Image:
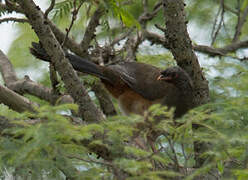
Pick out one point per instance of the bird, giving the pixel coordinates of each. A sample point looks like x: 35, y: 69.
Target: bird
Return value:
x: 135, y: 85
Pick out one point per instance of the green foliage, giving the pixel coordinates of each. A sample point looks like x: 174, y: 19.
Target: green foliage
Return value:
x: 40, y: 146
x: 242, y: 174
x: 199, y: 10
x: 63, y: 8
x: 19, y: 50
x: 52, y: 141
x: 50, y: 145
x: 2, y: 11
x: 160, y: 60
x: 117, y: 7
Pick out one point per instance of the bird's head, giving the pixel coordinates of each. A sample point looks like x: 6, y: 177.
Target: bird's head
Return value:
x: 176, y: 76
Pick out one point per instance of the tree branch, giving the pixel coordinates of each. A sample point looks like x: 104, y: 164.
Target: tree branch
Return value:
x: 91, y: 29
x: 26, y: 85
x: 10, y: 6
x: 223, y: 51
x: 131, y: 46
x: 70, y: 44
x: 181, y: 47
x: 49, y: 9
x: 156, y: 39
x: 133, y: 42
x: 73, y: 19
x: 104, y: 98
x: 12, y: 19
x: 7, y: 70
x: 215, y: 31
x: 30, y: 87
x: 182, y: 50
x: 146, y: 15
x: 240, y: 24
x: 87, y: 108
x: 16, y: 101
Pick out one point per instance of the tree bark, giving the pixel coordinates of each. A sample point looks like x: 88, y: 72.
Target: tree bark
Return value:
x: 7, y: 70
x: 181, y: 47
x: 16, y: 101
x: 87, y: 109
x: 104, y: 98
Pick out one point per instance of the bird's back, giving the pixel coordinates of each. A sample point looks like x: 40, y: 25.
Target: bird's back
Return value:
x: 142, y: 78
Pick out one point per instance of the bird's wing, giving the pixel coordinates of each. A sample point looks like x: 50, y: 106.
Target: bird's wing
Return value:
x: 142, y: 78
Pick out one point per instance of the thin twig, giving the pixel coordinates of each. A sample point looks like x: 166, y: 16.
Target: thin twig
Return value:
x: 12, y: 19
x: 175, y: 159
x: 186, y: 158
x: 49, y: 9
x: 215, y: 33
x: 133, y: 42
x: 230, y: 9
x: 74, y: 17
x: 235, y: 37
x: 240, y: 23
x: 146, y: 15
x: 215, y: 21
x: 121, y: 37
x: 145, y: 5
x: 232, y: 158
x: 160, y: 27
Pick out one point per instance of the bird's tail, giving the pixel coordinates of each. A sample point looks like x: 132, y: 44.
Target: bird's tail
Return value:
x: 78, y: 63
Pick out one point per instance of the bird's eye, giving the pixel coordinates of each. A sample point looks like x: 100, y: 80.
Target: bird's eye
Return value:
x: 168, y: 76
x: 174, y: 75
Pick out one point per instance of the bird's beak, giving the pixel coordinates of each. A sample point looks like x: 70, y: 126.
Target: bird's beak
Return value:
x: 166, y: 78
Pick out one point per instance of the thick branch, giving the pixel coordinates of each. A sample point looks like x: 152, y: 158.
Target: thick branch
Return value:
x: 91, y: 29
x: 30, y: 87
x: 181, y: 47
x: 7, y: 70
x: 157, y: 39
x: 16, y: 101
x: 87, y: 108
x: 26, y: 85
x: 104, y: 98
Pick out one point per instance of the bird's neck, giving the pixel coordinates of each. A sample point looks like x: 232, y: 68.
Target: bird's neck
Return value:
x: 186, y: 98
x: 185, y: 87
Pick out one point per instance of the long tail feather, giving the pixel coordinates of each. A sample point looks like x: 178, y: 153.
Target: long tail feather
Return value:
x: 78, y: 63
